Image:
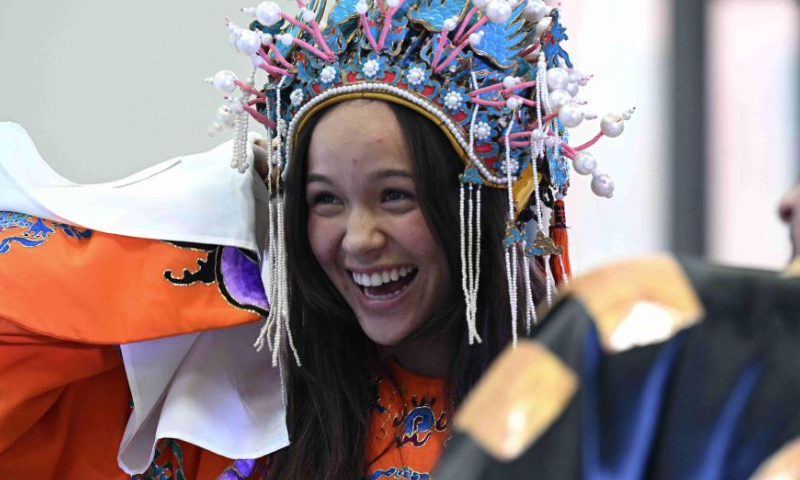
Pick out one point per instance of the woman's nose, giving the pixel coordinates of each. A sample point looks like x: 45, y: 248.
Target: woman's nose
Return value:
x: 363, y: 234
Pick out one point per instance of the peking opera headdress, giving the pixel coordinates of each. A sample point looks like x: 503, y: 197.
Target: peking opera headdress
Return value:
x: 492, y: 74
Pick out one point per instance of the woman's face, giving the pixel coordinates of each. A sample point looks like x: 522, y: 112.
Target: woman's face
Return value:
x: 365, y: 224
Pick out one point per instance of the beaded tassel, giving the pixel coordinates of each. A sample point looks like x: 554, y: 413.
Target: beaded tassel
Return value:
x: 272, y: 247
x: 470, y: 269
x: 239, y: 157
x: 476, y: 252
x: 511, y: 261
x: 538, y: 149
x: 548, y: 282
x: 470, y: 231
x: 277, y: 324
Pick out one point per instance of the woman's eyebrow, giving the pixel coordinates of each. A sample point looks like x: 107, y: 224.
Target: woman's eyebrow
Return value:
x: 380, y: 175
x: 315, y: 177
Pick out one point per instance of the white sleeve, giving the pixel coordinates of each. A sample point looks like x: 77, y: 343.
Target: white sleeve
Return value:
x: 193, y: 198
x: 211, y: 389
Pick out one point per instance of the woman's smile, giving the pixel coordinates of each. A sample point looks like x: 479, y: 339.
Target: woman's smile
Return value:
x: 384, y: 284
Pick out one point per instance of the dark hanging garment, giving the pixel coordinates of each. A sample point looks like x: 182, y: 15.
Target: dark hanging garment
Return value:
x: 651, y: 369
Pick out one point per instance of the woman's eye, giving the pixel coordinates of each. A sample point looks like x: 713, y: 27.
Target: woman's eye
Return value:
x: 324, y: 198
x: 394, y: 195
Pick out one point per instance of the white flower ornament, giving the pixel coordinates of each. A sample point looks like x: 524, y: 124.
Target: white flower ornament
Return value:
x: 452, y: 100
x: 482, y: 131
x: 415, y: 76
x: 328, y: 74
x: 296, y: 97
x: 371, y: 67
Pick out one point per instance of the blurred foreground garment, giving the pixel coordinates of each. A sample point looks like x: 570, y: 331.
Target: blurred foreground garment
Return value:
x: 650, y: 369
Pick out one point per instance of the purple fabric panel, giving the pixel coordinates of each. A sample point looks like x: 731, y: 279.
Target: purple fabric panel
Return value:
x: 242, y: 278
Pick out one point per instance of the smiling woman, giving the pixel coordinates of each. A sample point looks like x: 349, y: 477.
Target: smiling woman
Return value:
x: 373, y: 193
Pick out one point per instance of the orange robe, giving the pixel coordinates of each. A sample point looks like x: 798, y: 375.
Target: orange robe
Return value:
x: 409, y: 424
x: 68, y: 296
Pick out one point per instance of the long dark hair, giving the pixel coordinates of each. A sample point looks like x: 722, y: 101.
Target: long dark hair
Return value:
x: 329, y: 397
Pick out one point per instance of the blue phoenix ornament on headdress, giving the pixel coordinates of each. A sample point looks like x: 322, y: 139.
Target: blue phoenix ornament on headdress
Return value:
x: 491, y: 73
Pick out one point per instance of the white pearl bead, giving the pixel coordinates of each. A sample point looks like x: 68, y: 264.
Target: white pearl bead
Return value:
x: 557, y: 78
x: 233, y: 39
x: 225, y: 116
x: 584, y: 163
x: 498, y: 11
x: 603, y: 185
x: 509, y: 81
x: 268, y: 13
x: 236, y: 106
x: 573, y: 88
x: 543, y: 25
x: 308, y: 15
x: 475, y: 39
x: 256, y: 60
x: 362, y: 7
x: 612, y: 125
x: 249, y: 43
x: 537, y: 134
x: 626, y: 115
x: 450, y: 24
x: 535, y: 10
x: 223, y: 81
x: 392, y: 3
x: 286, y: 39
x: 513, y: 103
x: 480, y: 3
x: 266, y: 39
x: 571, y: 115
x: 558, y: 99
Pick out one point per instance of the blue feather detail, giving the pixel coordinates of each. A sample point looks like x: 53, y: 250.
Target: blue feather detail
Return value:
x: 513, y: 236
x: 432, y: 13
x: 553, y: 50
x: 503, y: 42
x: 471, y: 175
x: 343, y: 11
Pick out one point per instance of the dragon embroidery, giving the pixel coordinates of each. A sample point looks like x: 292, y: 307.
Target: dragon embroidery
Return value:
x: 34, y: 231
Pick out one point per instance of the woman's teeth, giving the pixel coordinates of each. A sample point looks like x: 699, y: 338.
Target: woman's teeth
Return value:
x: 377, y: 279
